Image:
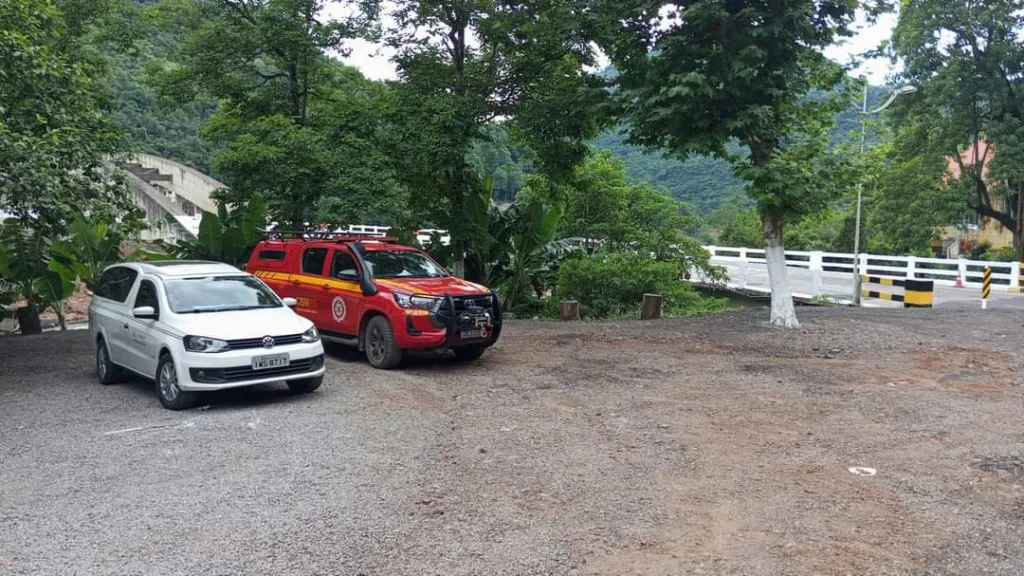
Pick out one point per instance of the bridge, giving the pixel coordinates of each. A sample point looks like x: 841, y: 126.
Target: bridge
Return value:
x: 173, y: 196
x: 828, y: 277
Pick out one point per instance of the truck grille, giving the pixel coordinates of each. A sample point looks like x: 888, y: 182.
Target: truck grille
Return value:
x: 465, y: 303
x: 242, y: 373
x: 258, y: 342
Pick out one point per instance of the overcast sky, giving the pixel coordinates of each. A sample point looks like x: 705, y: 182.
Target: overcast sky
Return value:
x: 375, y: 61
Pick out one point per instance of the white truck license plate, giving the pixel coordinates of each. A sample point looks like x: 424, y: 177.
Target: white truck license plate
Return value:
x: 471, y: 334
x: 274, y: 361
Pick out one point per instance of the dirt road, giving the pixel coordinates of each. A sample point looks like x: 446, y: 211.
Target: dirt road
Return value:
x: 698, y: 446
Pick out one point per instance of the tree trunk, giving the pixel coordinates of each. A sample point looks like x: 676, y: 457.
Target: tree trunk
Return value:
x: 28, y: 319
x: 783, y: 312
x: 58, y: 309
x: 1018, y: 230
x: 458, y: 259
x: 570, y: 310
x: 651, y: 308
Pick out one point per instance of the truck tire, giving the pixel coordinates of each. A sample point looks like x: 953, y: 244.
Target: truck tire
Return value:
x: 172, y: 397
x: 306, y: 385
x: 381, y: 348
x: 469, y: 353
x: 107, y: 372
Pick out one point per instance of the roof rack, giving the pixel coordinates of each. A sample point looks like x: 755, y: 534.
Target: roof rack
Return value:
x: 322, y: 236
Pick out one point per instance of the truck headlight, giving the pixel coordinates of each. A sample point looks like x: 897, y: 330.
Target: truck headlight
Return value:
x: 424, y: 302
x: 310, y: 335
x: 204, y: 344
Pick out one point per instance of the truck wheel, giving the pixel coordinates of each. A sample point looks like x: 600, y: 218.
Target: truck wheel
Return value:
x: 172, y: 397
x: 381, y: 349
x: 305, y: 385
x: 108, y: 372
x: 469, y: 353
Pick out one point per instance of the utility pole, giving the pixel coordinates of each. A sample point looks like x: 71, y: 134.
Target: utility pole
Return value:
x: 860, y: 195
x: 906, y: 89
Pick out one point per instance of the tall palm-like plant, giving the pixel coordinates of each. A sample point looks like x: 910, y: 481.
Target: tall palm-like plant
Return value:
x: 522, y: 252
x: 25, y: 270
x: 89, y: 248
x: 533, y: 227
x: 227, y: 236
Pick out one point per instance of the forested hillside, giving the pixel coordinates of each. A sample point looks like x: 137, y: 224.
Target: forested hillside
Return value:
x: 165, y: 129
x: 706, y: 182
x: 173, y: 131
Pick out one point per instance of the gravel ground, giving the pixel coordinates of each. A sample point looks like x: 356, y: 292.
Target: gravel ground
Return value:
x: 698, y: 446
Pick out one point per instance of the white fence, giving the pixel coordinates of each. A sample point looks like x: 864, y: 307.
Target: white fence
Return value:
x: 944, y: 272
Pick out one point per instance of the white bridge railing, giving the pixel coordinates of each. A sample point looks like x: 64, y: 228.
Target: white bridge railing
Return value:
x: 944, y: 272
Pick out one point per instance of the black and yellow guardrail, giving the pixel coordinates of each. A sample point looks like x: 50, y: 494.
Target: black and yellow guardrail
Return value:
x: 916, y: 293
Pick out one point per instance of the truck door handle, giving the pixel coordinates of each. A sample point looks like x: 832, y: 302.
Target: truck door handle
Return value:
x: 325, y: 287
x: 125, y: 326
x: 295, y: 282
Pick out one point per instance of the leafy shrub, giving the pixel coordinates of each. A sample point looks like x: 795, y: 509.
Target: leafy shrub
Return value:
x: 978, y: 250
x: 613, y: 284
x: 1004, y: 254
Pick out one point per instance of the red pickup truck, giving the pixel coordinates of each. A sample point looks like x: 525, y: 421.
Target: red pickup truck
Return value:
x: 379, y: 296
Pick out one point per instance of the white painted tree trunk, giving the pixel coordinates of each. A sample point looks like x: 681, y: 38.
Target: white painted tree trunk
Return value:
x: 783, y: 311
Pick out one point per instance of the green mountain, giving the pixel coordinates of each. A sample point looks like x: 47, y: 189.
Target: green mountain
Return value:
x: 706, y: 182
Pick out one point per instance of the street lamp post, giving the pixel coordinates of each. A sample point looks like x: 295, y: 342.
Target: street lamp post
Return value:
x: 906, y: 89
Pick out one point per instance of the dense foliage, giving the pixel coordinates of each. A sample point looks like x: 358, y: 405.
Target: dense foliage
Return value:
x: 721, y: 122
x: 966, y: 59
x: 465, y: 65
x: 613, y: 284
x: 55, y: 133
x: 696, y: 79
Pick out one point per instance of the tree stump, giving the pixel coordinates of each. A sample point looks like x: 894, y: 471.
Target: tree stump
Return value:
x: 28, y: 319
x: 652, y: 307
x: 570, y: 310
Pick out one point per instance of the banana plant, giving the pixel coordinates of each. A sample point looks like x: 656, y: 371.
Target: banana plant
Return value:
x: 225, y: 236
x: 522, y: 253
x: 26, y: 275
x: 89, y: 248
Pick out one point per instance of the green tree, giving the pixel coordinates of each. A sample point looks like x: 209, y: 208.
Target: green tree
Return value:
x: 966, y: 58
x: 54, y: 131
x: 609, y: 212
x: 696, y: 75
x: 266, y: 64
x: 465, y: 64
x: 228, y: 236
x: 156, y: 125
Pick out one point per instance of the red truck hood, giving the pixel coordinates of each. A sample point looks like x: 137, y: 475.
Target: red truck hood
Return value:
x: 434, y: 286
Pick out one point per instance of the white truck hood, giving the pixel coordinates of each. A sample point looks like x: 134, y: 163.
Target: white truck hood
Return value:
x: 241, y: 324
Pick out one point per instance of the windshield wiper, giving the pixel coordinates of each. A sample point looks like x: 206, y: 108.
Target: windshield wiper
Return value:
x: 203, y: 309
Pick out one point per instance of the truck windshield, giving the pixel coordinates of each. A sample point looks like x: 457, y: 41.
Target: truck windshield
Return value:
x: 218, y: 294
x: 402, y: 264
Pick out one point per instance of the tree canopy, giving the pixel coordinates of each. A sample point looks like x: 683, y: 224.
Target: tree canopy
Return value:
x: 55, y: 130
x: 966, y: 60
x: 696, y: 76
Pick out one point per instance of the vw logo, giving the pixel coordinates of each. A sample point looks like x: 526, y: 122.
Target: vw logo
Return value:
x: 268, y: 341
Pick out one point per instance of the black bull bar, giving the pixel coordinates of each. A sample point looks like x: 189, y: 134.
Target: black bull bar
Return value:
x: 454, y: 323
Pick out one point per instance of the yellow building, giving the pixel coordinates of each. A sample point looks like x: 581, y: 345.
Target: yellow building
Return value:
x: 956, y: 239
